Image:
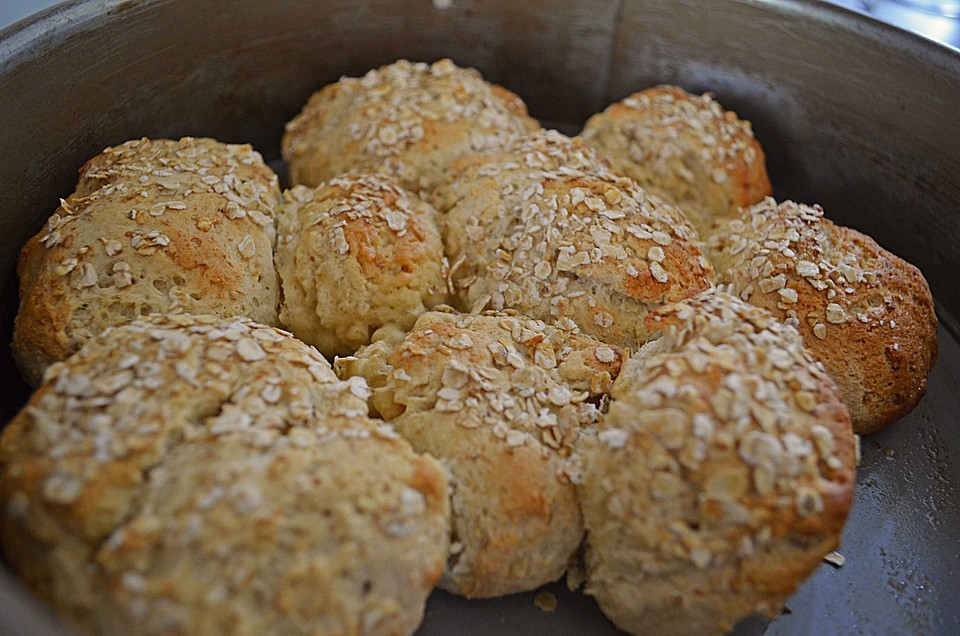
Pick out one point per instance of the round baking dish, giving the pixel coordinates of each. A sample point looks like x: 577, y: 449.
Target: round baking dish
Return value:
x: 853, y: 114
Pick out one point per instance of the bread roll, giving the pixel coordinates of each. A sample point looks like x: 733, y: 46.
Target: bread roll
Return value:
x: 501, y: 401
x: 196, y: 475
x: 356, y: 254
x: 545, y: 228
x: 722, y: 474
x: 684, y: 148
x: 154, y: 226
x: 865, y: 313
x: 409, y: 120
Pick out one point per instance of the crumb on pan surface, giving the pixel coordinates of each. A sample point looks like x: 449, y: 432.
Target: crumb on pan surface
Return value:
x: 545, y: 602
x: 500, y: 400
x: 191, y: 474
x: 356, y: 254
x: 410, y: 120
x: 153, y: 226
x: 721, y: 475
x: 865, y: 313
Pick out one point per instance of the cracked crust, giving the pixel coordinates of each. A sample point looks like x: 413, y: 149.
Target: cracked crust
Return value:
x: 721, y: 476
x: 189, y: 474
x: 865, y: 313
x: 154, y: 226
x: 500, y: 400
x: 355, y: 255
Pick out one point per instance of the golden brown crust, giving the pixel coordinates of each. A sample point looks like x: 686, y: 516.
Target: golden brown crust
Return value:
x: 409, y: 120
x: 865, y: 313
x: 154, y: 226
x: 189, y: 474
x: 721, y: 476
x: 501, y: 401
x: 545, y: 228
x: 355, y: 255
x: 684, y: 148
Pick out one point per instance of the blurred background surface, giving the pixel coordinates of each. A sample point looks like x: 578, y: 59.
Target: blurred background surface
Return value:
x: 935, y: 19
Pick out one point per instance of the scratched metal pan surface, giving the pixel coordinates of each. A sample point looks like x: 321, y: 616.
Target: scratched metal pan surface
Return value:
x: 853, y: 114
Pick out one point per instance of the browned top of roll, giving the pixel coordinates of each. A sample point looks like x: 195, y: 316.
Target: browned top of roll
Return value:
x: 546, y: 228
x: 684, y: 148
x: 501, y: 400
x: 154, y: 226
x: 410, y: 120
x: 193, y: 475
x: 865, y: 313
x: 356, y: 254
x: 721, y: 476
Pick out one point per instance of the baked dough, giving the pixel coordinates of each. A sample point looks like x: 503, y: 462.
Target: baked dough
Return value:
x: 721, y: 476
x: 685, y: 149
x: 544, y: 227
x: 865, y: 313
x: 410, y: 120
x: 356, y: 254
x: 198, y: 475
x: 191, y: 473
x: 154, y: 226
x: 500, y: 400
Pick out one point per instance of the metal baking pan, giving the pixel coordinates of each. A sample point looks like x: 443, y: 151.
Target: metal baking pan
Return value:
x: 853, y: 114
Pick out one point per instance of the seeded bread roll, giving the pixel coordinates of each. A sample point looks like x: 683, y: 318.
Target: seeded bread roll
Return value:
x: 354, y: 255
x: 721, y: 477
x: 684, y: 148
x: 196, y: 475
x: 501, y: 401
x: 865, y: 313
x: 154, y: 226
x: 409, y: 120
x: 545, y: 228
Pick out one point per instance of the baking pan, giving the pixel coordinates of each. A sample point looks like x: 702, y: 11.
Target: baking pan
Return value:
x: 853, y: 114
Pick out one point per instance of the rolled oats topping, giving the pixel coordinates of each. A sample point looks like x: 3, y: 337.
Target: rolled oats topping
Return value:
x: 564, y: 236
x: 406, y: 119
x: 684, y: 148
x: 725, y: 442
x: 844, y: 293
x: 174, y: 456
x: 503, y: 400
x: 503, y: 371
x: 153, y: 226
x: 357, y: 254
x: 777, y: 241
